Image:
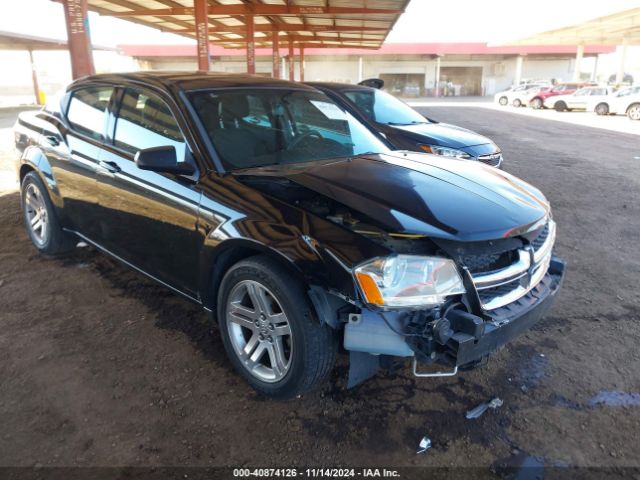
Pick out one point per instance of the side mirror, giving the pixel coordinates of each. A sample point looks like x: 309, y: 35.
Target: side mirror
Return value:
x: 162, y: 159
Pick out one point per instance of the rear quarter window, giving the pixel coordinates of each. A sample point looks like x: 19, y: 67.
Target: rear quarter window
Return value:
x: 86, y: 111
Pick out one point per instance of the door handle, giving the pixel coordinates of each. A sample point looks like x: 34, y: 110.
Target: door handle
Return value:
x: 109, y: 166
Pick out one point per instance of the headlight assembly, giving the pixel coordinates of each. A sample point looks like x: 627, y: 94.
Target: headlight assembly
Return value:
x: 408, y: 281
x: 445, y: 151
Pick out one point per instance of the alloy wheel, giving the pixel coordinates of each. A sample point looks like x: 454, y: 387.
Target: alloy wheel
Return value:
x: 634, y: 112
x: 259, y: 331
x: 36, y: 214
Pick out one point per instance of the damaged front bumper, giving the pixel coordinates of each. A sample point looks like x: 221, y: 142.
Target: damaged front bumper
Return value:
x: 456, y: 338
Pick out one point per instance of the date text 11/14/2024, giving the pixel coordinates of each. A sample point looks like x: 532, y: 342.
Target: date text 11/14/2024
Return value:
x: 316, y: 472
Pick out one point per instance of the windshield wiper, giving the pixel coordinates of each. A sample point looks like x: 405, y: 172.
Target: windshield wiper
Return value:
x: 412, y: 122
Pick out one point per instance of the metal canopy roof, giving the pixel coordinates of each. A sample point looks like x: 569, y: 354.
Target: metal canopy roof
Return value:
x: 306, y: 23
x: 20, y: 41
x: 617, y: 29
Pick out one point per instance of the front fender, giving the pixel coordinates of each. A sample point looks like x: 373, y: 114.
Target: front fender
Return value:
x: 301, y: 255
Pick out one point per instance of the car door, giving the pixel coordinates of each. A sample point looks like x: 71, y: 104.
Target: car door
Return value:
x: 146, y: 218
x: 74, y: 157
x: 578, y: 99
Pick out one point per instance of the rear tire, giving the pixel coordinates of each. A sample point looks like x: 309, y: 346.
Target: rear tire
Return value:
x: 560, y: 106
x: 270, y: 330
x: 40, y: 219
x: 536, y: 103
x: 503, y: 101
x: 602, y: 109
x: 517, y: 103
x: 633, y: 112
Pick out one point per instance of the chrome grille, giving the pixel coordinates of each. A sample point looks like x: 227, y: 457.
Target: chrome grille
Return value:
x: 493, y: 159
x: 501, y: 287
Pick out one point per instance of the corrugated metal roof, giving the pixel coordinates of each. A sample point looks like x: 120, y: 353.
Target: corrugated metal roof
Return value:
x: 311, y: 23
x: 617, y: 29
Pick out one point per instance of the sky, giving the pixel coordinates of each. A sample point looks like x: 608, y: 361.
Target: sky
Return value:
x: 491, y: 21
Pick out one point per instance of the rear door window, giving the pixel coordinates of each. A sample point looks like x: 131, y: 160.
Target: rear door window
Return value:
x: 86, y: 112
x: 145, y: 121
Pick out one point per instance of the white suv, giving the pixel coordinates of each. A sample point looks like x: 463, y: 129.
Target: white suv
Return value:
x: 578, y: 100
x: 624, y: 101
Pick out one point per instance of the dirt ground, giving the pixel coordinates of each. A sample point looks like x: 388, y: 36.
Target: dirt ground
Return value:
x: 100, y: 367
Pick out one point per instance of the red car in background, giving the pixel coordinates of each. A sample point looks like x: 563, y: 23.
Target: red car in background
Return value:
x: 537, y: 101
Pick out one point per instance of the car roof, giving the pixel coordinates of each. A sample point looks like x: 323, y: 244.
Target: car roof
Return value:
x: 191, y: 80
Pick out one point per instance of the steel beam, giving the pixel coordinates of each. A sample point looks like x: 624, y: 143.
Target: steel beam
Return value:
x: 202, y: 34
x: 239, y: 45
x: 301, y: 63
x: 287, y: 27
x: 255, y: 9
x: 251, y: 46
x: 292, y: 65
x: 34, y: 78
x: 275, y: 41
x: 79, y: 40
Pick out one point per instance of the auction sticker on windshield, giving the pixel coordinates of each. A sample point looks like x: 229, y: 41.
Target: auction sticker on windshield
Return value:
x: 329, y: 110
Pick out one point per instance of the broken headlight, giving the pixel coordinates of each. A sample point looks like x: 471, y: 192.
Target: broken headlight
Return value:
x: 408, y: 281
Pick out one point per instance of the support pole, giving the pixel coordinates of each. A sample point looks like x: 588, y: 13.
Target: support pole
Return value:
x: 276, y: 54
x: 79, y: 39
x: 292, y: 65
x: 622, y: 56
x: 302, y: 64
x: 518, y: 76
x: 360, y: 69
x: 251, y: 45
x: 594, y: 72
x: 579, y: 54
x: 437, y: 82
x: 202, y: 34
x: 34, y: 78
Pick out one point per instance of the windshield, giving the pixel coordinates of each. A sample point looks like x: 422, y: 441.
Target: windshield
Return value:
x: 381, y: 107
x: 260, y: 127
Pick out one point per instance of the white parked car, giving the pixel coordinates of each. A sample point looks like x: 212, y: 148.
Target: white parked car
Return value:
x: 624, y: 101
x: 518, y: 95
x: 578, y: 100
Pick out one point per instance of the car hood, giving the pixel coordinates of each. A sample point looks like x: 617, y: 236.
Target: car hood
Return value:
x: 423, y: 194
x: 442, y: 134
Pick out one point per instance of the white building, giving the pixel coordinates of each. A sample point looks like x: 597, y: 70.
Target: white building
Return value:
x: 408, y: 69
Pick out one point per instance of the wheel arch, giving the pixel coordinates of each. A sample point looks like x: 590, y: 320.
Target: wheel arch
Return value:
x: 33, y: 159
x: 217, y: 262
x: 631, y: 105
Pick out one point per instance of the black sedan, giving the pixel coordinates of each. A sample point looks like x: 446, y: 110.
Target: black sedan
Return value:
x: 405, y: 129
x: 297, y: 228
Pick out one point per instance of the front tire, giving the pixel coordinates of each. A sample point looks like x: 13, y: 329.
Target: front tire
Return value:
x: 270, y: 331
x: 503, y: 101
x: 517, y: 103
x: 536, y: 103
x: 560, y: 106
x: 602, y: 109
x: 40, y: 219
x: 633, y: 112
